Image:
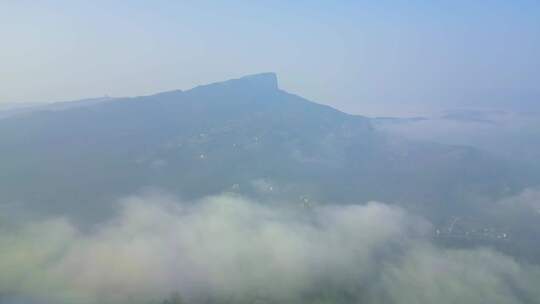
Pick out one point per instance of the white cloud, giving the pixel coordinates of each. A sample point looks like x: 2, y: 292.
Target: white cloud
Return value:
x: 232, y: 249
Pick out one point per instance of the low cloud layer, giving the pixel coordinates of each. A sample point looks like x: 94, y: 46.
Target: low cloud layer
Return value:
x: 228, y: 249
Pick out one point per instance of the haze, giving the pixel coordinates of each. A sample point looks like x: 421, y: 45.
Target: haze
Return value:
x: 266, y: 152
x: 363, y: 57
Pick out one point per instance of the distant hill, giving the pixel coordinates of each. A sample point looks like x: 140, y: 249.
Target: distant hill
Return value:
x: 14, y: 109
x: 243, y: 135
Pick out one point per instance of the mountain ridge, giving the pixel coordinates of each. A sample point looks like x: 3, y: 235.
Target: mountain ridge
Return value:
x: 206, y: 140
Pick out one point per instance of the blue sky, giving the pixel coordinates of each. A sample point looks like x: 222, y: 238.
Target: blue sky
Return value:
x: 364, y: 57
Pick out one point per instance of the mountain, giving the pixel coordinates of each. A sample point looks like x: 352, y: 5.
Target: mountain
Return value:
x: 243, y: 135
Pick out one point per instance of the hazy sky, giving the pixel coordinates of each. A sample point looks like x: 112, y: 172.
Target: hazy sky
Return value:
x: 365, y: 57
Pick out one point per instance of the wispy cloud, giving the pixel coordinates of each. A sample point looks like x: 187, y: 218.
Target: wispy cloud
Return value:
x: 231, y: 249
